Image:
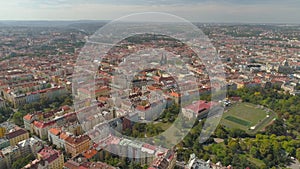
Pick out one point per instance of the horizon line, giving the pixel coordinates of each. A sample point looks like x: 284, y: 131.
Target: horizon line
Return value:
x: 109, y: 20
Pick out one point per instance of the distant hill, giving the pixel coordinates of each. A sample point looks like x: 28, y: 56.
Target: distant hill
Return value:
x: 87, y: 26
x: 47, y: 23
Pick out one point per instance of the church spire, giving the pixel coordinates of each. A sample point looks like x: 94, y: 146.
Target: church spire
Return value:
x: 163, y: 59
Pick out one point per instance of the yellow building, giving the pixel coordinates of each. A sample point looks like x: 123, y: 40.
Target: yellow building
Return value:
x: 16, y: 136
x: 77, y: 145
x: 2, y: 132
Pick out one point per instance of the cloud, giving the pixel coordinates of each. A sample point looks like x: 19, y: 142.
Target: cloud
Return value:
x: 58, y: 3
x: 193, y: 10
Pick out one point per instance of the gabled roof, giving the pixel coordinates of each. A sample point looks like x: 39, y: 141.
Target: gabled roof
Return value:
x: 28, y: 117
x: 55, y: 131
x: 16, y: 133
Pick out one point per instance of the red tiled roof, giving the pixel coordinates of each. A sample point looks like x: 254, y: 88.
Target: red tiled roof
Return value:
x: 43, y: 125
x: 66, y: 107
x: 174, y: 94
x: 63, y: 135
x: 103, y: 88
x: 85, y: 91
x: 142, y: 108
x: 148, y: 146
x: 199, y: 106
x: 90, y: 153
x: 102, y: 99
x: 71, y: 164
x: 28, y: 117
x: 77, y: 140
x: 49, y: 154
x: 38, y: 124
x: 54, y: 131
x: 52, y: 157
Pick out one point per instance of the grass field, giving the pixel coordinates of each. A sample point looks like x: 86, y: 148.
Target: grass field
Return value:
x: 238, y: 121
x: 246, y: 115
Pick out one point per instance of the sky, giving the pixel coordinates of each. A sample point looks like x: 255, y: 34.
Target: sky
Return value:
x: 232, y: 11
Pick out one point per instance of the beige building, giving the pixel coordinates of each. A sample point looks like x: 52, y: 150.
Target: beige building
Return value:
x: 77, y: 145
x: 16, y: 136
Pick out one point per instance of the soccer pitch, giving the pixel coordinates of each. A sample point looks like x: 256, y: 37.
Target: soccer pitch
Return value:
x: 247, y: 116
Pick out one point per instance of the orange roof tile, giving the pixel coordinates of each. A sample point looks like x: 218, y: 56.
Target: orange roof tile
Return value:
x: 54, y: 131
x: 63, y: 135
x: 174, y: 94
x: 90, y: 153
x: 28, y: 117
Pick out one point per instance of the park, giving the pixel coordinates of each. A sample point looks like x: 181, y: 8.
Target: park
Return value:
x: 248, y: 117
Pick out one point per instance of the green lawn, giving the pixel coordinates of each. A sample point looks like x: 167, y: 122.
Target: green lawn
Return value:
x: 238, y: 120
x: 246, y: 115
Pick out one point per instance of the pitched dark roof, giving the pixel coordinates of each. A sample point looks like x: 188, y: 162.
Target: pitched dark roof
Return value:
x: 15, y: 133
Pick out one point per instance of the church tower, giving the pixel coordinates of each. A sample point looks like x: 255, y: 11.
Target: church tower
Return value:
x: 163, y: 59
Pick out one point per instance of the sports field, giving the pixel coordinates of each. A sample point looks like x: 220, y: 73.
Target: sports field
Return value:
x: 247, y: 116
x: 238, y: 120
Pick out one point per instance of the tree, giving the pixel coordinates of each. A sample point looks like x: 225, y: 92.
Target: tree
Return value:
x: 221, y: 132
x: 237, y: 133
x: 233, y: 145
x: 21, y: 162
x: 227, y: 160
x: 254, y: 152
x: 243, y: 146
x: 5, y: 114
x: 265, y: 148
x: 134, y: 165
x: 18, y: 118
x: 298, y: 154
x: 276, y: 128
x: 48, y: 85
